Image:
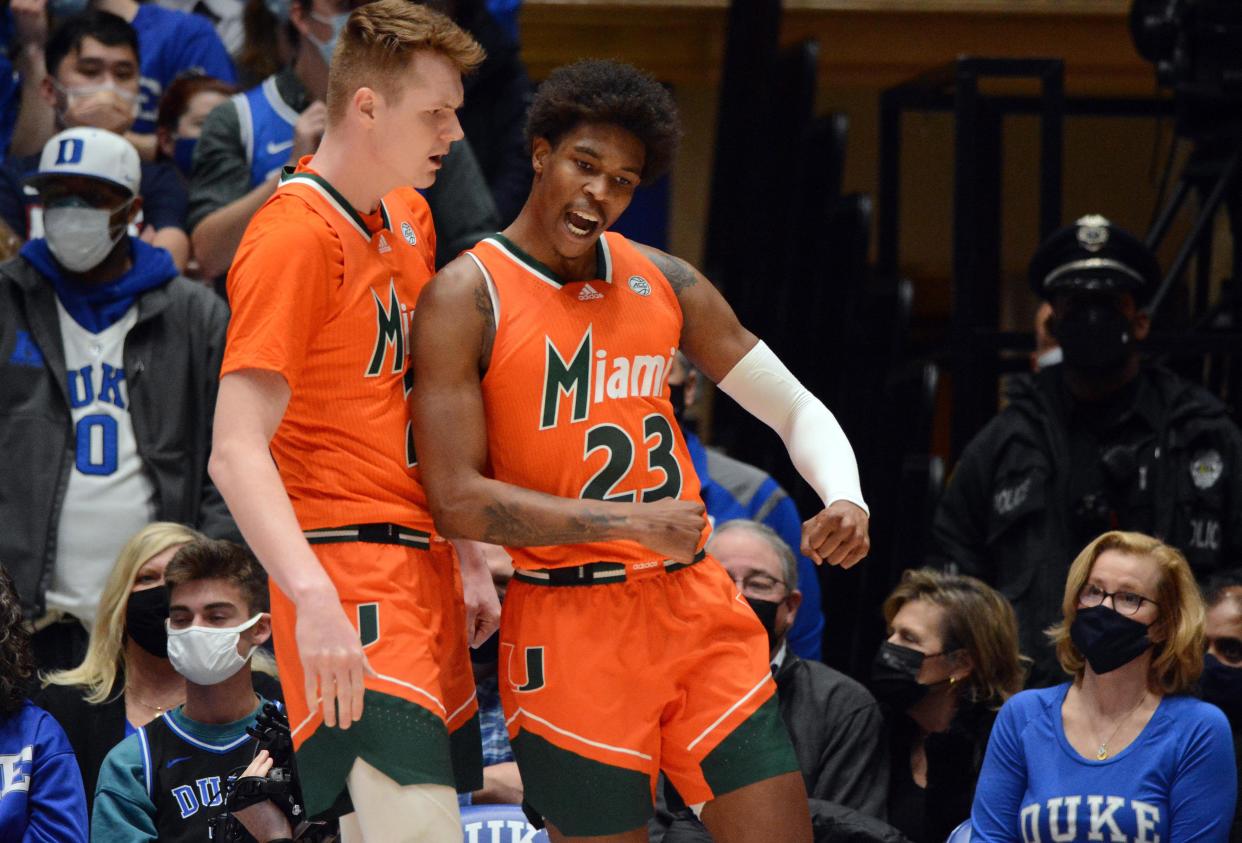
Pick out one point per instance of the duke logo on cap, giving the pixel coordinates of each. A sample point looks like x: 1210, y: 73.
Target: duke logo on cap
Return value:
x: 93, y: 153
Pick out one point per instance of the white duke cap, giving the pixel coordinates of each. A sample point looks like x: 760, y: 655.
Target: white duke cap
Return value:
x: 94, y: 153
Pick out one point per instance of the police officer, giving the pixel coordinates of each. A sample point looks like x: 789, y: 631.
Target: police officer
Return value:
x: 1101, y: 441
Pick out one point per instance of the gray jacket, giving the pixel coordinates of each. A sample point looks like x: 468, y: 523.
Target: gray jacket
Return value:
x: 172, y: 363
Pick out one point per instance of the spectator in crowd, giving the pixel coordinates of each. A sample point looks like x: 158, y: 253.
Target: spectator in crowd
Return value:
x: 494, y: 114
x: 1221, y: 683
x: 92, y: 81
x: 125, y: 680
x: 836, y: 726
x: 108, y: 381
x: 247, y: 141
x: 166, y: 781
x: 733, y: 489
x: 1101, y: 441
x: 41, y: 796
x: 1121, y: 746
x: 224, y: 15
x: 183, y: 110
x: 950, y: 661
x: 170, y: 43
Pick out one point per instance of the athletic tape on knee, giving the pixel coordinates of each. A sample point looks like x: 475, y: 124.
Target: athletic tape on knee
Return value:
x: 817, y: 445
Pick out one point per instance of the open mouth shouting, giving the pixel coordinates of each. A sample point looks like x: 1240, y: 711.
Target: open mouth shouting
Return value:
x: 582, y: 223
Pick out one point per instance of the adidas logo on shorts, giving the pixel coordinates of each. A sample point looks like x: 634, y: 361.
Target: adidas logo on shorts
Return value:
x: 589, y: 293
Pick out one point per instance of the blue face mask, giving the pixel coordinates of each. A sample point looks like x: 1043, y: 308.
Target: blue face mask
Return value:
x: 337, y: 22
x: 183, y: 154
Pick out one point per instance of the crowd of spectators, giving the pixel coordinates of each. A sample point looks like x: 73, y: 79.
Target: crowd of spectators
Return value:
x: 138, y: 142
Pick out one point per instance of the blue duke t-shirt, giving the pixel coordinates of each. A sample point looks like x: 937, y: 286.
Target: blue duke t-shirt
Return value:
x: 1175, y: 783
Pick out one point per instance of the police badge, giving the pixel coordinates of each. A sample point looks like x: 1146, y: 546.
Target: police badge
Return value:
x: 1206, y: 468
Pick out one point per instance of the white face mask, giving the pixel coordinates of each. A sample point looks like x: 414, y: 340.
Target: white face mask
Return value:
x: 80, y: 238
x: 207, y: 655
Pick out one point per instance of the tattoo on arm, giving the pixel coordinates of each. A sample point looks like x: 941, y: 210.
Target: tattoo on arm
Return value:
x: 680, y: 274
x: 483, y: 304
x: 506, y: 524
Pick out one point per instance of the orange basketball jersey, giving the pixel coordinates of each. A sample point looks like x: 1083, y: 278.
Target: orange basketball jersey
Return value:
x: 576, y: 393
x: 323, y: 295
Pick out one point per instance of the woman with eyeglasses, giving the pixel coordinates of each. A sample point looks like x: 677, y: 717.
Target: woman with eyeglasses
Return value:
x: 1120, y: 751
x: 950, y: 661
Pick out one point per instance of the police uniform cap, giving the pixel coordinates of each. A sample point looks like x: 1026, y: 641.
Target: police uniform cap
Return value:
x: 1093, y: 255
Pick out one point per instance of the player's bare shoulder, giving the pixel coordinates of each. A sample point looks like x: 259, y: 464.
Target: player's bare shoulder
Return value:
x: 458, y: 301
x: 680, y: 274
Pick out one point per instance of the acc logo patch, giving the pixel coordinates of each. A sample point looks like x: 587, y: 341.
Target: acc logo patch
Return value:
x: 407, y: 231
x: 1206, y: 468
x: 640, y: 285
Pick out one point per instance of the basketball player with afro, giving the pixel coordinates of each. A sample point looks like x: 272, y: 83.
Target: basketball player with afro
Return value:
x: 542, y: 414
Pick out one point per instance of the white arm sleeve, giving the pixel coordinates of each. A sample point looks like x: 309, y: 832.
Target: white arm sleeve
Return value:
x: 817, y: 446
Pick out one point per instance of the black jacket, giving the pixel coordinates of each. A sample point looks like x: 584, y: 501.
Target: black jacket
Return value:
x: 838, y: 735
x: 172, y: 364
x: 1013, y: 512
x: 954, y: 758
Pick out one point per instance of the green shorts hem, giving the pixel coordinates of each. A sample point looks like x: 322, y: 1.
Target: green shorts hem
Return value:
x: 401, y: 739
x: 581, y: 797
x: 757, y: 750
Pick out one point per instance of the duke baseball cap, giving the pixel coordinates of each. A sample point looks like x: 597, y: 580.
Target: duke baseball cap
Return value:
x: 1093, y: 255
x: 93, y: 153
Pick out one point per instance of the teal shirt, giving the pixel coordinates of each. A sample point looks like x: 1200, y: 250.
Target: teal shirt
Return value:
x: 123, y: 811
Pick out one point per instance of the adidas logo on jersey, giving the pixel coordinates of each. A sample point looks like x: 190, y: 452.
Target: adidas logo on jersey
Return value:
x: 384, y: 248
x: 589, y: 293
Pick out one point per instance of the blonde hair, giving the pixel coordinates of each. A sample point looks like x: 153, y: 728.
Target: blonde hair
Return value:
x: 105, y: 653
x: 378, y: 41
x: 1177, y: 654
x: 977, y: 619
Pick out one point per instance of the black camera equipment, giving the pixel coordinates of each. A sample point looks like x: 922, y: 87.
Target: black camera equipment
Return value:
x: 1196, y: 47
x: 280, y: 786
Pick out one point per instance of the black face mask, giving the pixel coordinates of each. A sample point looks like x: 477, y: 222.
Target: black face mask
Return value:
x: 144, y: 620
x: 677, y: 397
x: 1095, y: 338
x: 1222, y: 685
x: 894, y: 676
x: 766, y: 610
x: 1108, y: 640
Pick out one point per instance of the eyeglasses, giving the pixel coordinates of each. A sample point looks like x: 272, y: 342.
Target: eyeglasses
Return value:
x: 1124, y: 602
x: 760, y: 585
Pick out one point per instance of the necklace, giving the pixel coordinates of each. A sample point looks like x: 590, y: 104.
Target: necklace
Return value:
x: 1102, y: 752
x: 158, y: 709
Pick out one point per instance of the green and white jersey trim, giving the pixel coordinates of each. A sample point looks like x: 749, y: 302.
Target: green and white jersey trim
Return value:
x: 338, y: 202
x: 603, y: 260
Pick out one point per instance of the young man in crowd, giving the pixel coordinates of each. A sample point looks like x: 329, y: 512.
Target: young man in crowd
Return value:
x: 108, y: 379
x: 167, y: 780
x: 245, y: 143
x: 543, y: 422
x: 93, y: 81
x: 366, y: 602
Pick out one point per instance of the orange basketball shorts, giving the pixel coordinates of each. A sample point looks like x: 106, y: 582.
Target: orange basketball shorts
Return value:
x: 605, y: 685
x: 420, y: 717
